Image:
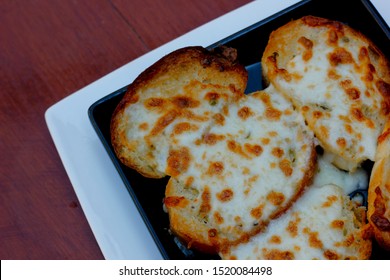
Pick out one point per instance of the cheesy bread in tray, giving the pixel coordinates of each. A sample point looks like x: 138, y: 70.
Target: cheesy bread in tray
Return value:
x: 244, y: 172
x: 177, y: 95
x: 323, y: 224
x: 338, y: 79
x: 267, y: 174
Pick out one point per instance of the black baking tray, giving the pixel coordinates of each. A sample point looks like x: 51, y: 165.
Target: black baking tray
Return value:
x: 250, y: 43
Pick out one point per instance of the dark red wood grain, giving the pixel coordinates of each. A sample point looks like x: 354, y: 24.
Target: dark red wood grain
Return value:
x: 48, y: 50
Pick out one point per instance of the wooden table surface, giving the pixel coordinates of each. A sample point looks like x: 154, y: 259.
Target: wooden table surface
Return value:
x: 48, y: 50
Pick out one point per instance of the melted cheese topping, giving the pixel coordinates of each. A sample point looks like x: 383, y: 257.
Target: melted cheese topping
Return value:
x: 327, y: 173
x: 301, y: 234
x: 259, y: 155
x: 342, y: 110
x: 328, y: 71
x: 159, y: 119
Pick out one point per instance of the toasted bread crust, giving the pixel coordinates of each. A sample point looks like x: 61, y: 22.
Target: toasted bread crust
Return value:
x: 183, y: 65
x: 378, y: 211
x: 183, y: 219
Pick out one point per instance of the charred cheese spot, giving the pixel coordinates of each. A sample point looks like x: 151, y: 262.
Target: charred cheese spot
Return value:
x: 277, y: 152
x: 308, y: 45
x: 345, y: 119
x: 163, y: 122
x: 265, y: 141
x: 218, y: 218
x: 219, y: 119
x: 257, y: 212
x: 292, y: 227
x: 273, y: 59
x: 345, y: 83
x: 314, y: 242
x: 245, y: 170
x: 212, y: 139
x: 276, y: 198
x: 264, y: 97
x: 384, y: 136
x: 329, y: 201
x: 333, y: 75
x: 244, y: 113
x: 337, y: 224
x: 276, y: 239
x: 154, y: 102
x: 212, y: 98
x: 256, y: 150
x: 236, y: 148
x: 383, y: 88
x: 371, y: 68
x: 225, y: 195
x: 284, y: 74
x: 385, y: 107
x: 317, y: 114
x: 285, y: 166
x: 357, y: 114
x: 363, y: 54
x: 212, y: 233
x: 238, y: 219
x: 178, y: 161
x: 184, y: 127
x: 215, y: 168
x: 276, y: 254
x: 340, y: 56
x: 272, y: 113
x: 175, y: 201
x: 332, y: 37
x: 349, y: 240
x: 225, y: 110
x: 184, y: 102
x: 273, y: 133
x: 353, y: 93
x: 188, y: 114
x: 144, y: 126
x: 369, y: 77
x: 205, y: 206
x: 317, y: 21
x: 324, y: 131
x: 254, y: 178
x: 330, y: 255
x: 341, y: 142
x: 189, y: 181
